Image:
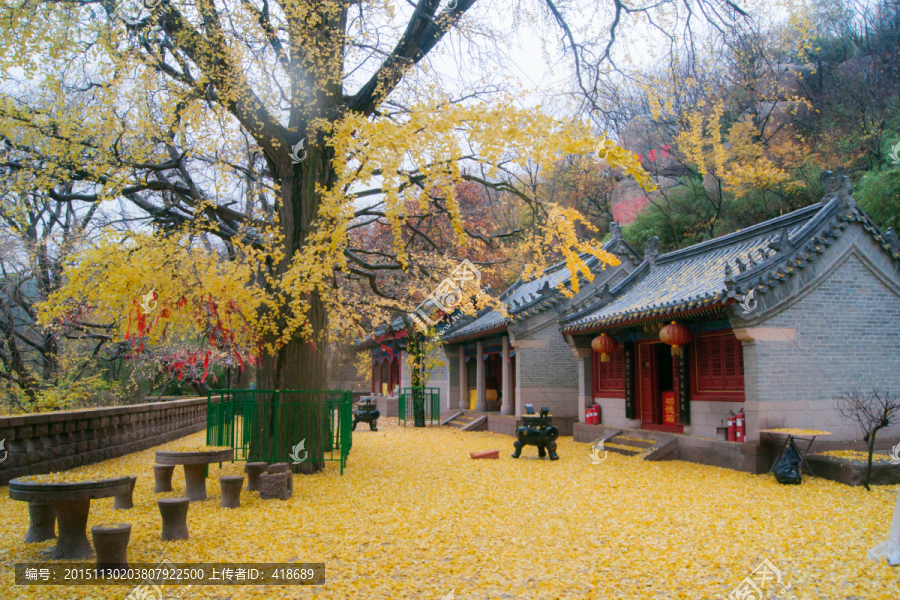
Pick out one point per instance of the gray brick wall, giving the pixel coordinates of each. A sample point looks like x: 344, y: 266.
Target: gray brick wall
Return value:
x: 847, y: 336
x: 547, y: 376
x: 453, y: 363
x: 47, y: 442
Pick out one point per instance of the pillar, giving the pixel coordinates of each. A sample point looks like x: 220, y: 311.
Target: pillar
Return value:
x: 480, y: 400
x: 508, y: 396
x: 519, y: 404
x: 584, y: 358
x: 463, y: 380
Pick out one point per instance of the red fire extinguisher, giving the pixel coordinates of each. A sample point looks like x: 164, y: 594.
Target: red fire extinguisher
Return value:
x: 740, y: 427
x: 732, y: 429
x: 595, y: 414
x: 589, y: 415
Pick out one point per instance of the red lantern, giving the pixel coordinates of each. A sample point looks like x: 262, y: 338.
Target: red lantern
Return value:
x: 604, y: 345
x: 675, y: 335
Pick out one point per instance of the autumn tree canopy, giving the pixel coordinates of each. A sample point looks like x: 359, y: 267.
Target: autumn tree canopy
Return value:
x: 253, y: 143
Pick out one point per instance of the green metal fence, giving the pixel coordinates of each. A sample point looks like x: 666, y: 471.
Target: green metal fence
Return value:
x: 272, y: 425
x: 420, y: 405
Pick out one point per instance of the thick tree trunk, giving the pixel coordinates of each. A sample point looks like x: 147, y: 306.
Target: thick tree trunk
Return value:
x: 301, y: 364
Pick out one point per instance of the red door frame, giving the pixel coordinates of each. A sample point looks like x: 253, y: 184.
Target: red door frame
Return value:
x: 650, y: 377
x: 646, y: 381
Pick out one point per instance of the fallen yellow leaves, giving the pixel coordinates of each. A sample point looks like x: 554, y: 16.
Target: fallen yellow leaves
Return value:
x: 619, y: 446
x: 414, y: 517
x: 193, y: 447
x: 806, y: 432
x: 94, y: 474
x: 856, y: 455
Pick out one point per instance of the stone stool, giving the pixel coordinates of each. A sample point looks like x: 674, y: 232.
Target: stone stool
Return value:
x: 195, y: 481
x: 231, y: 490
x: 125, y: 501
x: 275, y: 485
x: 43, y: 522
x: 254, y: 470
x: 162, y: 475
x: 110, y: 544
x: 283, y: 468
x: 174, y: 518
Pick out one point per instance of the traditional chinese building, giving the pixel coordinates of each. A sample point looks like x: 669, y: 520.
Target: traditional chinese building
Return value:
x: 778, y: 319
x: 390, y: 367
x: 498, y: 363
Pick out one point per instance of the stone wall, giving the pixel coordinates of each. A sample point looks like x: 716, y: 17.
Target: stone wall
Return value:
x: 451, y: 355
x: 846, y: 336
x: 546, y: 373
x: 50, y: 442
x: 707, y: 416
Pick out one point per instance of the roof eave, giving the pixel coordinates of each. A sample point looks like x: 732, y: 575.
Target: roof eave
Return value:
x: 476, y: 334
x: 664, y: 316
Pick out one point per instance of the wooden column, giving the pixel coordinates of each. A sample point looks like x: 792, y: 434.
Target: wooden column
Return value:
x: 463, y: 380
x: 681, y: 396
x: 380, y: 375
x: 630, y: 412
x: 480, y: 400
x: 508, y: 395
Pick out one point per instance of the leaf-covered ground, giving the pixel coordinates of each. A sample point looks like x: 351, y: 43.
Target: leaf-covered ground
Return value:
x: 414, y: 517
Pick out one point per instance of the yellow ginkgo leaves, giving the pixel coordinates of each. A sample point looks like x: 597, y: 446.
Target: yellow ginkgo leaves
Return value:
x: 414, y: 517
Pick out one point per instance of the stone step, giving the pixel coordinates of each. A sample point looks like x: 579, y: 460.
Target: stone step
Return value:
x: 622, y: 450
x: 638, y: 443
x: 459, y: 422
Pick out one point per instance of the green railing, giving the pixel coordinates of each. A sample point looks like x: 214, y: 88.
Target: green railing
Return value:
x: 420, y: 405
x: 271, y: 425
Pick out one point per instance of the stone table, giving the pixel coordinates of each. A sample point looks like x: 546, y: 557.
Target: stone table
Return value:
x: 195, y: 468
x: 72, y: 504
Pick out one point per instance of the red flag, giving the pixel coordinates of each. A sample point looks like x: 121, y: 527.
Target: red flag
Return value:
x: 205, y: 367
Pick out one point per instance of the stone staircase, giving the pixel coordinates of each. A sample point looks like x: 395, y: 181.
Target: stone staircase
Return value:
x: 649, y: 445
x: 465, y: 422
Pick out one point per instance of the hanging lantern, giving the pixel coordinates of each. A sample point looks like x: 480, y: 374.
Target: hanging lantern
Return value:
x: 675, y: 335
x: 604, y: 345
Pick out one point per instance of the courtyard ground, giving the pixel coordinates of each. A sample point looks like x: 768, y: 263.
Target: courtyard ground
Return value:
x: 414, y: 517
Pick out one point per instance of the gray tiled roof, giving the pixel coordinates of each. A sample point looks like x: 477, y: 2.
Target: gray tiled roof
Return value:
x: 524, y: 297
x: 692, y: 277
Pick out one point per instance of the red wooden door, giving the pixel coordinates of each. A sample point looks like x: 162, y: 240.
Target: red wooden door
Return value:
x: 395, y: 373
x: 647, y: 382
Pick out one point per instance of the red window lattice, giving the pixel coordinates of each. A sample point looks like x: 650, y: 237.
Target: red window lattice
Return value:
x: 720, y: 363
x: 611, y: 375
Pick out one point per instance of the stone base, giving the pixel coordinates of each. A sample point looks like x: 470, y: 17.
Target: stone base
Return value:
x: 851, y: 472
x: 387, y: 406
x: 43, y: 522
x: 275, y: 485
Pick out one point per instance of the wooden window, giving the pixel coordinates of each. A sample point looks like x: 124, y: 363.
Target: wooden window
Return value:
x: 718, y: 361
x: 609, y: 377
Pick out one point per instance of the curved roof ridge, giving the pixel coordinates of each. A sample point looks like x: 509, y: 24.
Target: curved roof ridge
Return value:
x: 742, y: 235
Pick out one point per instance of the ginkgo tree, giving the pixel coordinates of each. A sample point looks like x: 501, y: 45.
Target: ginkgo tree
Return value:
x: 279, y: 128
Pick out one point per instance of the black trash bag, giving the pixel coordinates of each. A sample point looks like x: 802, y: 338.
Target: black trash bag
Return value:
x: 787, y: 469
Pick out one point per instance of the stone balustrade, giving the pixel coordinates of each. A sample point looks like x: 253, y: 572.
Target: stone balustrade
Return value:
x: 51, y: 442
